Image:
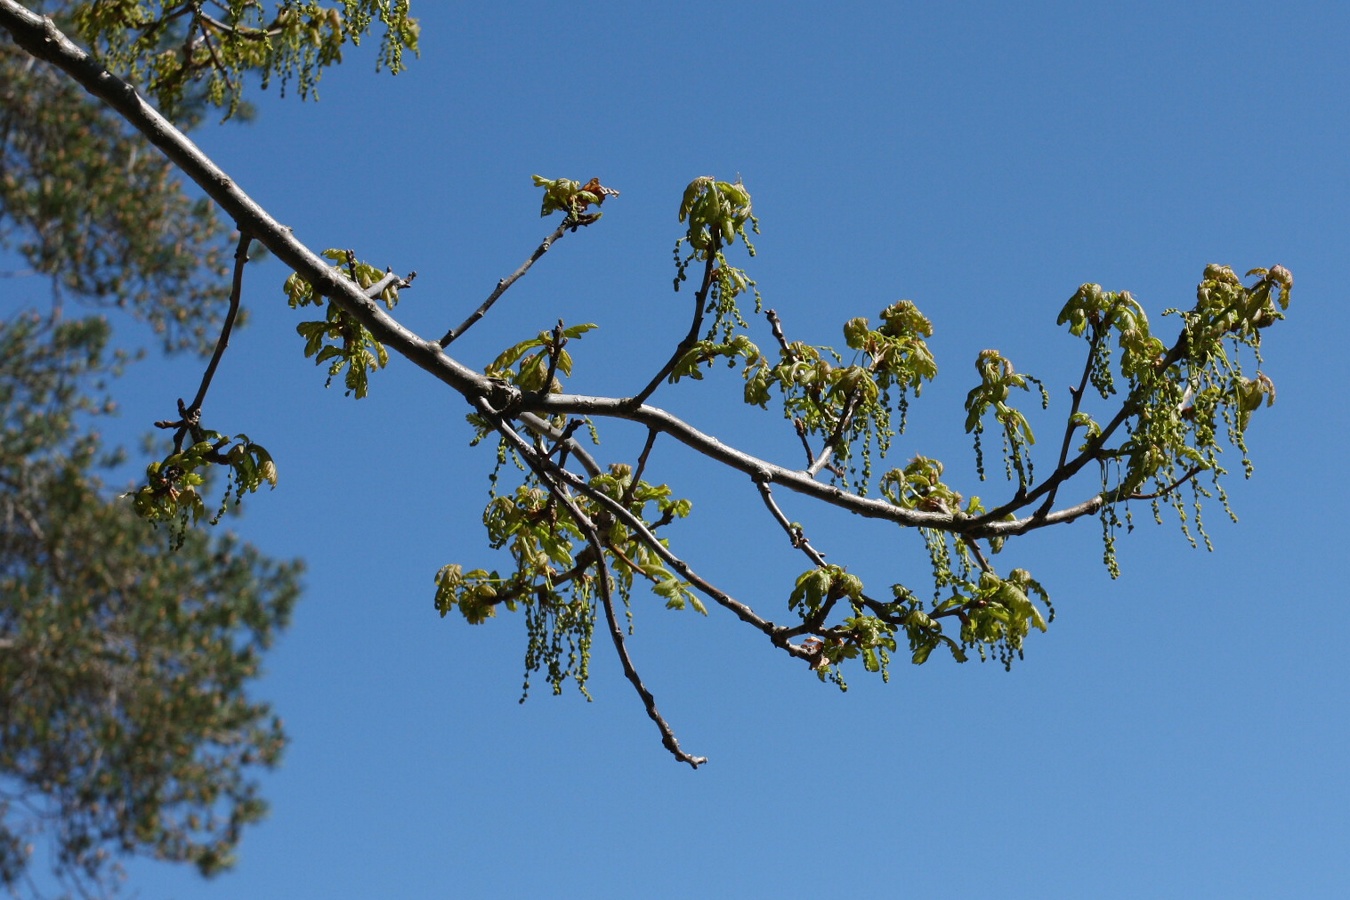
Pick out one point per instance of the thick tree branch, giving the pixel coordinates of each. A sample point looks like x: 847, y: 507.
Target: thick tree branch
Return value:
x: 41, y: 38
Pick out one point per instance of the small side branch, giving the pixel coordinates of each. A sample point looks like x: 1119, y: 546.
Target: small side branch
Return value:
x: 190, y: 414
x: 776, y: 326
x: 814, y: 464
x: 1163, y: 492
x: 794, y: 531
x: 544, y: 428
x: 695, y: 326
x: 1070, y: 427
x: 505, y: 284
x: 641, y: 466
x: 800, y: 427
x: 668, y: 739
x: 827, y: 452
x: 816, y: 621
x: 975, y: 551
x: 375, y: 290
x: 236, y: 289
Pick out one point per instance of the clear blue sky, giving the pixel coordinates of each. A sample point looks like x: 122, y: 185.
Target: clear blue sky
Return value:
x: 1179, y: 732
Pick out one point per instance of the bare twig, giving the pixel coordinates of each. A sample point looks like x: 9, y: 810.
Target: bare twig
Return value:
x: 640, y: 467
x: 641, y: 458
x: 1163, y: 492
x: 975, y: 550
x: 776, y: 326
x: 236, y: 289
x: 695, y: 326
x: 190, y: 414
x: 539, y: 426
x: 505, y: 284
x: 794, y: 532
x: 1070, y: 426
x: 668, y: 739
x: 800, y: 427
x: 378, y: 288
x: 211, y: 49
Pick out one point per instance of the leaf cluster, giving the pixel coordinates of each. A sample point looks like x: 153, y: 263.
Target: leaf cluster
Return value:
x: 1177, y: 397
x: 340, y: 339
x: 171, y: 493
x: 537, y: 370
x: 573, y: 198
x: 715, y: 212
x: 997, y: 379
x: 187, y: 52
x: 849, y: 406
x: 554, y: 570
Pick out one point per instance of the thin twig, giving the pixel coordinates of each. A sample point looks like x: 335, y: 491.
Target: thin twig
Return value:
x: 814, y: 464
x: 253, y: 34
x: 215, y: 58
x: 799, y: 540
x: 800, y: 427
x: 776, y: 326
x: 539, y: 426
x: 505, y: 283
x: 845, y: 419
x: 695, y: 326
x: 794, y: 532
x: 640, y: 467
x: 1163, y: 492
x: 375, y: 290
x: 978, y: 553
x: 554, y: 354
x: 236, y: 289
x: 1070, y: 426
x: 668, y: 739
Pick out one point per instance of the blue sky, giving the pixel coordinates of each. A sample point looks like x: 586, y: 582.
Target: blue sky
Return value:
x: 1178, y: 732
